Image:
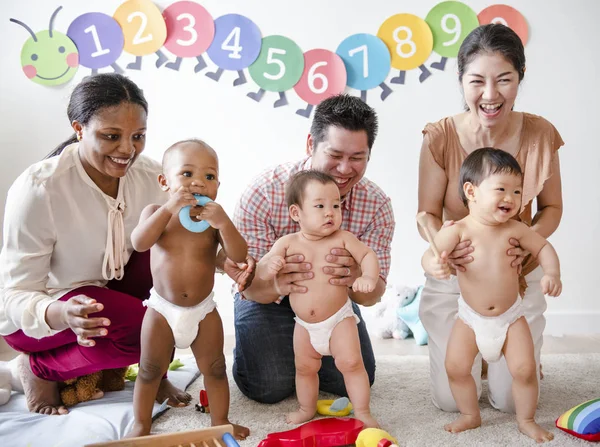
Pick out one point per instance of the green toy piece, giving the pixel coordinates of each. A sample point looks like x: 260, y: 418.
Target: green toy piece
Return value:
x: 133, y: 370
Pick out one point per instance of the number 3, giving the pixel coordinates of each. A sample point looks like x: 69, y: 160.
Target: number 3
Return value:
x: 189, y: 28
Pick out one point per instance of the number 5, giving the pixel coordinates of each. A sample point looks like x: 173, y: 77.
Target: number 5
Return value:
x: 271, y: 60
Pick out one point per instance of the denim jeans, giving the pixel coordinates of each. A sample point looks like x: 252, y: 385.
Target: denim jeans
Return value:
x: 263, y: 366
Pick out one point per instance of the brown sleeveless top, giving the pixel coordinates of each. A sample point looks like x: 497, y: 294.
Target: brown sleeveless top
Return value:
x: 538, y: 146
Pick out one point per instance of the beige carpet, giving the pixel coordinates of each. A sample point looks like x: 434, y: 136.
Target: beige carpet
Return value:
x: 400, y: 401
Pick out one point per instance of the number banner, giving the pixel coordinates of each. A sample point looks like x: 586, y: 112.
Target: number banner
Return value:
x: 99, y: 39
x: 190, y: 29
x: 324, y: 75
x: 143, y: 27
x: 450, y: 23
x: 507, y: 16
x: 236, y: 44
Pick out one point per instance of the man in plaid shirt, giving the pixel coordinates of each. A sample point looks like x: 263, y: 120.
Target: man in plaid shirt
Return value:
x: 341, y: 137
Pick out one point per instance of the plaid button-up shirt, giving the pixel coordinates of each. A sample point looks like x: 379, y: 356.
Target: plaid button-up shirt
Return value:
x: 262, y: 216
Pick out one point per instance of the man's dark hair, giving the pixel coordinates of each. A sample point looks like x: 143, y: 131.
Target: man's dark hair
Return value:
x: 482, y: 163
x: 294, y: 191
x: 346, y: 112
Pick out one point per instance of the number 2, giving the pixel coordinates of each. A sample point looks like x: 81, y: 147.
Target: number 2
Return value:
x: 99, y: 50
x: 189, y: 28
x: 365, y: 51
x: 138, y: 39
x: 235, y: 48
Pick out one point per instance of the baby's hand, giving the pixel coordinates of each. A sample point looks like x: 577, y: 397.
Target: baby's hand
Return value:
x: 364, y: 284
x: 551, y: 285
x: 183, y: 197
x: 274, y: 266
x: 439, y: 268
x: 215, y: 215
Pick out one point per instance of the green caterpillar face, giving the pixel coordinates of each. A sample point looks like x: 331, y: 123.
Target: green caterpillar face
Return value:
x: 51, y: 60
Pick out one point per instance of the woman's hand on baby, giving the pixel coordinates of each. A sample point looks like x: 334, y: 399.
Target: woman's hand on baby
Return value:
x: 519, y: 254
x: 364, y: 284
x: 347, y: 270
x: 181, y: 198
x: 551, y: 285
x: 75, y: 314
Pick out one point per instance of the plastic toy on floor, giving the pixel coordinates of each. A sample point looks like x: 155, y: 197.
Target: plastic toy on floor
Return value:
x: 327, y: 432
x: 410, y: 316
x: 339, y: 407
x: 132, y: 371
x: 375, y: 437
x: 582, y: 421
x: 203, y: 406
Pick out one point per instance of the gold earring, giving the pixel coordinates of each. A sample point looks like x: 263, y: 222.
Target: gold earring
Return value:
x: 78, y: 137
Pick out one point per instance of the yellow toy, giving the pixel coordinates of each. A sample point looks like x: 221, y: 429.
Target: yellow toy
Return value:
x: 373, y: 437
x: 339, y: 407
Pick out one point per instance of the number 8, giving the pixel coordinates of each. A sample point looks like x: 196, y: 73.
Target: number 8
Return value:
x: 406, y: 41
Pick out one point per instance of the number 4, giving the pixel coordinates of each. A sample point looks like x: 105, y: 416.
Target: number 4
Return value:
x: 235, y: 48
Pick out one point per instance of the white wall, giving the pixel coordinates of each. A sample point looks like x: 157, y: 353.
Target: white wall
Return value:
x: 560, y: 84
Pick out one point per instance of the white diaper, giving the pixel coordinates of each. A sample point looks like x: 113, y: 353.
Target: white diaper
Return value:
x: 320, y: 333
x: 183, y: 320
x: 490, y: 332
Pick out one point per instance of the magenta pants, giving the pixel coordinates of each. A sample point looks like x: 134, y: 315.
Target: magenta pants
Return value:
x: 59, y: 357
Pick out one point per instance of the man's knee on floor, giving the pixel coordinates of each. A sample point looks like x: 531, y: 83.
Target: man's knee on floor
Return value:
x: 443, y: 400
x: 270, y: 393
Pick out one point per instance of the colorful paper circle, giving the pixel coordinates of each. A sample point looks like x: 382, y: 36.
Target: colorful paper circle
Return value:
x: 367, y: 60
x: 190, y: 29
x: 279, y: 64
x: 143, y: 26
x: 324, y: 75
x: 99, y: 39
x: 508, y: 16
x: 408, y: 39
x: 236, y: 44
x: 450, y: 23
x: 51, y: 60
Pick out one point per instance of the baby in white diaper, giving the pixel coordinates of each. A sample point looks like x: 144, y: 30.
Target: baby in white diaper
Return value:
x: 490, y: 311
x: 325, y: 321
x: 181, y: 310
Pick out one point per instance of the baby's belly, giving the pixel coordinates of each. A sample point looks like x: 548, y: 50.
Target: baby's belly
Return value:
x: 487, y: 294
x: 320, y: 302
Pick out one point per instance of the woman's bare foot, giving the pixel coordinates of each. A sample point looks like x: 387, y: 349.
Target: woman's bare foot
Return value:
x: 300, y: 416
x: 177, y: 397
x: 464, y: 422
x: 139, y: 429
x: 535, y: 432
x: 42, y: 395
x: 239, y: 432
x: 366, y: 419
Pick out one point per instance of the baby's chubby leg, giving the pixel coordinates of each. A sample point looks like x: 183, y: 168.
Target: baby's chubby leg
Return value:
x: 156, y: 347
x: 520, y: 359
x: 345, y: 348
x: 460, y: 354
x: 208, y: 350
x: 308, y: 363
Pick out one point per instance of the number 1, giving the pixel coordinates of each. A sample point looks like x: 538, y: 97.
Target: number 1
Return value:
x: 365, y: 51
x: 99, y: 50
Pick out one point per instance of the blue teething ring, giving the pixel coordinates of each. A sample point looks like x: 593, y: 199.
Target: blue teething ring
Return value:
x: 230, y: 440
x: 195, y: 226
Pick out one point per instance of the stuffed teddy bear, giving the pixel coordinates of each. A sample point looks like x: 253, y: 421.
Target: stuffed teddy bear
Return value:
x: 9, y: 379
x: 91, y: 386
x: 387, y: 322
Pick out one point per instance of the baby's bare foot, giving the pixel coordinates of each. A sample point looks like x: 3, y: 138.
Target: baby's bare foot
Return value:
x: 239, y: 431
x: 42, y: 395
x: 139, y: 429
x: 175, y: 396
x: 464, y: 422
x: 535, y: 432
x: 300, y: 416
x: 367, y: 419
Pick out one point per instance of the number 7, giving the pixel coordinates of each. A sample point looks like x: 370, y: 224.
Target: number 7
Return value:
x: 365, y: 51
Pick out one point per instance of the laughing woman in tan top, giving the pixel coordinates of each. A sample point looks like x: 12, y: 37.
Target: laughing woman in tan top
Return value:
x: 491, y: 65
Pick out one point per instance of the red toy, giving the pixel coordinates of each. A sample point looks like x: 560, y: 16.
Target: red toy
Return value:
x: 327, y: 432
x: 203, y: 407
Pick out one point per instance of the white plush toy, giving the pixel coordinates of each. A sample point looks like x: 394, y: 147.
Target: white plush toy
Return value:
x: 387, y: 323
x: 9, y: 380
